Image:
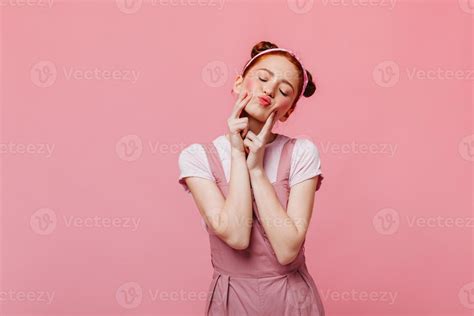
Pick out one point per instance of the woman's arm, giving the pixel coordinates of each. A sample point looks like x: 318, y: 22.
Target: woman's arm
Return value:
x: 286, y: 229
x: 230, y: 218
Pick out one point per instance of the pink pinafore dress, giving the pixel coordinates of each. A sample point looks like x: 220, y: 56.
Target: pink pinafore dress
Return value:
x: 252, y: 281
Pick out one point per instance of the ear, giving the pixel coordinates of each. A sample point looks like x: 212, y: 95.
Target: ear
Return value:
x: 238, y: 84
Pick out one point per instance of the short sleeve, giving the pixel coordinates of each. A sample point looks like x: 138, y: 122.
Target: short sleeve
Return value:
x: 193, y: 161
x: 305, y: 161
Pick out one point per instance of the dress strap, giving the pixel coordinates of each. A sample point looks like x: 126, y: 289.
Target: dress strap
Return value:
x: 215, y: 162
x: 285, y: 160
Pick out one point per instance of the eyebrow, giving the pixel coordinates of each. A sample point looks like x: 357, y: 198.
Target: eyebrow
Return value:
x: 283, y: 80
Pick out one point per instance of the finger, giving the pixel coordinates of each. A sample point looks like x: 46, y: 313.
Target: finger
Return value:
x: 250, y: 144
x: 243, y: 128
x: 254, y: 138
x: 245, y: 131
x: 241, y: 96
x: 240, y: 124
x: 242, y: 120
x: 251, y: 135
x: 243, y: 93
x: 246, y: 148
x: 241, y: 105
x: 268, y: 124
x: 237, y: 129
x: 247, y: 142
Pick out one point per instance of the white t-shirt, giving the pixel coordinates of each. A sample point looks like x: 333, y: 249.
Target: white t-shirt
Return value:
x: 305, y: 160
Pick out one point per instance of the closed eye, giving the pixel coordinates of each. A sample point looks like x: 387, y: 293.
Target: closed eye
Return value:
x: 264, y: 80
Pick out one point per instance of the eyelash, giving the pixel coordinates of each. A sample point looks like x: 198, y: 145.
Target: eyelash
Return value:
x: 280, y: 90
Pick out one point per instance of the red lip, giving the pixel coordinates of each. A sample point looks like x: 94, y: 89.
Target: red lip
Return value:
x: 264, y: 100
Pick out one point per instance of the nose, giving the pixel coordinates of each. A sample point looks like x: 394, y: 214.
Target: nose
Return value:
x: 266, y: 91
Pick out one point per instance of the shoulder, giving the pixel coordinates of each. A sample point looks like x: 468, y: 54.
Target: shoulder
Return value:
x: 305, y: 160
x: 305, y: 146
x: 198, y: 150
x: 191, y: 150
x: 193, y: 156
x: 193, y: 162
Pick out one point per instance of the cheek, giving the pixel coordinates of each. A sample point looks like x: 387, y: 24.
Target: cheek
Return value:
x: 282, y: 107
x: 249, y: 85
x: 284, y: 104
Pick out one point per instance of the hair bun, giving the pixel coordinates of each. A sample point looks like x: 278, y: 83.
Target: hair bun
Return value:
x: 310, y: 87
x: 262, y: 46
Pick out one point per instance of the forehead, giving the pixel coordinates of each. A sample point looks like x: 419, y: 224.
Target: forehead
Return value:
x: 279, y: 65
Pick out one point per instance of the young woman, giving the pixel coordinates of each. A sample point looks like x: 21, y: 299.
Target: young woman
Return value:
x: 255, y: 191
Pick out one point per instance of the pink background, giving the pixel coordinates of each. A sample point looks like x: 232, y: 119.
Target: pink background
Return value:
x: 375, y: 246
